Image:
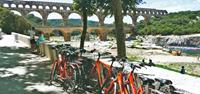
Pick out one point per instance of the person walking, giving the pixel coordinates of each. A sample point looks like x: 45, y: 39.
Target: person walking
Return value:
x: 32, y: 39
x: 40, y: 43
x: 0, y: 34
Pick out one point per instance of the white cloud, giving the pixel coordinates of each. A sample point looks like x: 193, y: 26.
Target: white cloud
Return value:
x: 172, y: 5
x: 198, y: 1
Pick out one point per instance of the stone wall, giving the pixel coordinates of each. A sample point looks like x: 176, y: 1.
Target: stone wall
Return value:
x: 184, y: 40
x: 23, y: 38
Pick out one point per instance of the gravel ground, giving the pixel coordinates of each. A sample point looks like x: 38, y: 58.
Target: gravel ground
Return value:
x: 9, y: 41
x: 24, y: 73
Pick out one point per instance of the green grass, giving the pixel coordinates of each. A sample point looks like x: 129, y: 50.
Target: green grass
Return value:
x: 192, y: 69
x: 133, y: 58
x: 136, y: 43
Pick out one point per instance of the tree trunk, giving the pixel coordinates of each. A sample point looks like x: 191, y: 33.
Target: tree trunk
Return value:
x: 117, y: 9
x: 83, y: 35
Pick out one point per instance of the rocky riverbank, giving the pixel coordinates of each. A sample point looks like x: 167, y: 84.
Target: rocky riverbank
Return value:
x: 172, y: 40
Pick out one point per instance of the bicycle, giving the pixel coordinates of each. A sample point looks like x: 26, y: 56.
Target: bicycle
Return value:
x: 62, y: 71
x: 120, y: 82
x: 74, y: 77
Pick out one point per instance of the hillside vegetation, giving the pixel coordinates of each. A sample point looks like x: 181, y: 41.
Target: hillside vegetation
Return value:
x: 9, y: 22
x: 180, y: 23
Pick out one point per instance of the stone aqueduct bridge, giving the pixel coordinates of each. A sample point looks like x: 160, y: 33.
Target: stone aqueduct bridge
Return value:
x: 64, y: 9
x: 66, y: 31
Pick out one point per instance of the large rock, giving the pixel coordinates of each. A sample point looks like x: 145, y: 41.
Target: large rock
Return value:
x: 184, y: 40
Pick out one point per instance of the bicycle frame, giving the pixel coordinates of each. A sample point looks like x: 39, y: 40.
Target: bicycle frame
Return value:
x: 59, y: 66
x: 132, y: 81
x: 122, y: 83
x: 99, y: 68
x: 112, y: 86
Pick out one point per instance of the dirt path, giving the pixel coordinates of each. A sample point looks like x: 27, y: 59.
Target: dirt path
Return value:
x: 24, y: 73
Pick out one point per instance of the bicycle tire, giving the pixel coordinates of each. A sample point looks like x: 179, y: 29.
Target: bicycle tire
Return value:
x: 53, y: 71
x: 69, y: 83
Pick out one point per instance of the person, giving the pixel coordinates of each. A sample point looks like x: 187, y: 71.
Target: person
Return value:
x: 0, y: 34
x: 182, y: 70
x: 198, y: 58
x: 32, y: 39
x: 143, y: 61
x: 39, y: 43
x: 151, y: 63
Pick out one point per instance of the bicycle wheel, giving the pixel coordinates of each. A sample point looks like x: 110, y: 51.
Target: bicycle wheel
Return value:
x: 69, y: 84
x: 53, y: 72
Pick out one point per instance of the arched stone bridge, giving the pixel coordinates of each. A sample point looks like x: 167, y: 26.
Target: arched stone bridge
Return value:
x: 64, y: 9
x: 66, y: 31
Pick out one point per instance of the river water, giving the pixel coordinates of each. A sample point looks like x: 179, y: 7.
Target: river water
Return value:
x: 187, y: 50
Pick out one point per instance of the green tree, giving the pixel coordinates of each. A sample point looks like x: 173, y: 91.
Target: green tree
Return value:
x: 12, y: 23
x: 115, y: 8
x: 85, y: 8
x: 180, y: 23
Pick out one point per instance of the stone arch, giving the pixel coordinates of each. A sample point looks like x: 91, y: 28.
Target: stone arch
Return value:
x: 75, y: 34
x: 57, y: 35
x: 136, y: 11
x: 61, y: 8
x: 74, y: 17
x: 109, y: 19
x: 129, y: 23
x: 68, y: 8
x: 151, y: 12
x: 16, y: 12
x: 40, y: 7
x: 93, y: 33
x: 34, y: 7
x: 76, y: 31
x: 20, y: 6
x: 140, y: 18
x: 47, y: 7
x: 52, y: 16
x: 35, y: 13
x: 127, y: 19
x: 13, y: 5
x: 54, y: 8
x: 102, y: 33
x: 146, y: 18
x: 93, y: 18
x: 6, y: 5
x: 56, y: 32
x: 145, y: 12
x: 27, y: 6
x: 157, y: 13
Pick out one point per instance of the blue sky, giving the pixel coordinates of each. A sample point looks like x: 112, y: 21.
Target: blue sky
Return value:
x: 169, y: 5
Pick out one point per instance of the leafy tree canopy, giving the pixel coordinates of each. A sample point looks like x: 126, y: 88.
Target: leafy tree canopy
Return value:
x: 84, y: 5
x: 180, y: 23
x: 9, y: 22
x: 127, y: 6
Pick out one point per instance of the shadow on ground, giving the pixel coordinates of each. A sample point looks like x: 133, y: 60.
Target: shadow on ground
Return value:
x: 24, y: 73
